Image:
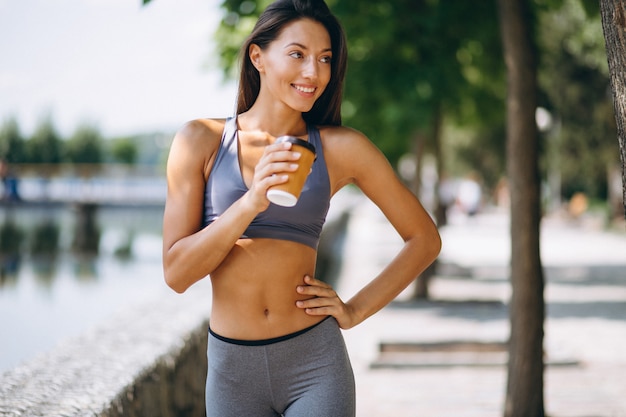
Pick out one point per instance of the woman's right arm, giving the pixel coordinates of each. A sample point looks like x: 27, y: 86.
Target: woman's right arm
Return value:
x: 191, y: 252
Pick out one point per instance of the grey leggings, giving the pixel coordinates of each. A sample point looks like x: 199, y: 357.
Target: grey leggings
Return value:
x: 304, y: 374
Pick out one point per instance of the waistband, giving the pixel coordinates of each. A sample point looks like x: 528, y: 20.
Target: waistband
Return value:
x: 265, y: 342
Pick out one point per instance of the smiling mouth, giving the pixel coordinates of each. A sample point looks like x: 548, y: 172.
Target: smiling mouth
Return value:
x: 307, y: 90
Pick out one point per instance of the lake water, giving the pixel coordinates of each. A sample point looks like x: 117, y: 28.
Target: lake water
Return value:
x: 43, y: 300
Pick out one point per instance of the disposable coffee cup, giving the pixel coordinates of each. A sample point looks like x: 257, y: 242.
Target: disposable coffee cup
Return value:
x: 287, y: 194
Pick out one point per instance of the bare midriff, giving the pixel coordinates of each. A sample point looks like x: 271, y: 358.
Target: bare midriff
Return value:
x: 254, y: 290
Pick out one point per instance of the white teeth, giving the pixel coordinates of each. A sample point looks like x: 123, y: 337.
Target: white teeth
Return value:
x: 304, y: 89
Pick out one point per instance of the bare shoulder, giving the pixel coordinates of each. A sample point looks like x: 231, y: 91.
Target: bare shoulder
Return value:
x: 350, y: 156
x: 340, y: 142
x: 201, y: 132
x: 337, y: 137
x: 196, y: 142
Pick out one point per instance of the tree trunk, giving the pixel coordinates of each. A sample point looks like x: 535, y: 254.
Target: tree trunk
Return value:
x: 524, y: 393
x: 614, y: 27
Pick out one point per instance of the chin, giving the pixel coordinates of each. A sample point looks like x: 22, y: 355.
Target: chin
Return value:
x: 303, y: 108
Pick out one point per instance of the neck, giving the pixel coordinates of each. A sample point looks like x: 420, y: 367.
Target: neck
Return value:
x: 273, y: 119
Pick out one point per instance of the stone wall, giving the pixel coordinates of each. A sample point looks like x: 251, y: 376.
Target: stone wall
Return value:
x: 148, y: 360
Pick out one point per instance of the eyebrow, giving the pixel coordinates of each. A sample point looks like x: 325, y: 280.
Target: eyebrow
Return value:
x: 304, y: 47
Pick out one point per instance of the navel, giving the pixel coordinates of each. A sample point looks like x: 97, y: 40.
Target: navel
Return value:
x: 266, y: 312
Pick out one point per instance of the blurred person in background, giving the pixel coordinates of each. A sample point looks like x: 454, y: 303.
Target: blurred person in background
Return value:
x: 9, y: 182
x: 469, y: 195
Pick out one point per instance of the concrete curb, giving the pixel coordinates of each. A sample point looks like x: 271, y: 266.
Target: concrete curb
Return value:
x: 148, y: 360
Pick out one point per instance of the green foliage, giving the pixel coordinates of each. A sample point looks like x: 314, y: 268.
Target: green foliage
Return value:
x: 575, y: 83
x: 239, y: 17
x: 407, y: 60
x: 480, y: 150
x: 85, y: 146
x: 423, y: 56
x: 45, y: 145
x: 124, y: 150
x: 12, y: 147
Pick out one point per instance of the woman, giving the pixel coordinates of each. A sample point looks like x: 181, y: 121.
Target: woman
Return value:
x: 275, y: 345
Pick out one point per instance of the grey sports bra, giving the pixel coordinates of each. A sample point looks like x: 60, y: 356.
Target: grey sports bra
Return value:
x: 301, y: 223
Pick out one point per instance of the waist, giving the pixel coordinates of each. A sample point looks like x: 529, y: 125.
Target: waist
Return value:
x: 254, y: 290
x: 265, y: 342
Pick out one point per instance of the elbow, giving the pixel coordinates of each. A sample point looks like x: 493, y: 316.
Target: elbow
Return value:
x: 431, y: 245
x: 176, y: 276
x: 175, y: 286
x: 436, y: 245
x: 174, y: 282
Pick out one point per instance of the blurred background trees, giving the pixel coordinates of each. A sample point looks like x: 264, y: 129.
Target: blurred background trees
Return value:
x: 427, y: 78
x: 85, y: 146
x: 44, y: 146
x: 12, y: 146
x: 422, y: 75
x: 574, y: 83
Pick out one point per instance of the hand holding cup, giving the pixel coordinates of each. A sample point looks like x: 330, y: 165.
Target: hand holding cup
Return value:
x: 287, y: 194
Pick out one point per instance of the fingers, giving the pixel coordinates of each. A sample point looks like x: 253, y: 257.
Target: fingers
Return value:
x: 279, y: 157
x: 324, y: 300
x: 276, y: 161
x: 321, y: 307
x: 316, y: 288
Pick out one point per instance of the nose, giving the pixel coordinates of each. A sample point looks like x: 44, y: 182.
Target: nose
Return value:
x: 310, y: 70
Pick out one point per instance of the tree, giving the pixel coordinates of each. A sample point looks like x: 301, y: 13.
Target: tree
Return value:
x: 124, y: 150
x: 45, y: 145
x: 524, y: 393
x: 574, y: 81
x: 12, y: 143
x: 614, y: 26
x: 426, y: 62
x: 84, y: 146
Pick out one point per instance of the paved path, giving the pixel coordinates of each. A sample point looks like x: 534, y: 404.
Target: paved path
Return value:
x: 585, y: 339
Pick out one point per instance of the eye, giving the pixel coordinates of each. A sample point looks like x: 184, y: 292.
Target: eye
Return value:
x: 326, y: 59
x: 296, y: 54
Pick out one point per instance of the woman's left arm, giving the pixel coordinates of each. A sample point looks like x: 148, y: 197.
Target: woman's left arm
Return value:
x: 371, y: 172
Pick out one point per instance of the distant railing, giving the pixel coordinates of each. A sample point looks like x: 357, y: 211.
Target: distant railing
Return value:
x: 90, y: 183
x: 86, y: 170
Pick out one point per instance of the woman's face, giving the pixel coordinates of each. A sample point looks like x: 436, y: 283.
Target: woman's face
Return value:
x: 296, y: 67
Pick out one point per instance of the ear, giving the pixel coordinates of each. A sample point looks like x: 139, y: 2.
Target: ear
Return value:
x: 256, y: 57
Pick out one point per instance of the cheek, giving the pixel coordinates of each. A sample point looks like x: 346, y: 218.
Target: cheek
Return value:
x: 325, y: 78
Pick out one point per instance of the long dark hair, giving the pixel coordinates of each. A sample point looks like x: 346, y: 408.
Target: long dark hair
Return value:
x: 327, y: 108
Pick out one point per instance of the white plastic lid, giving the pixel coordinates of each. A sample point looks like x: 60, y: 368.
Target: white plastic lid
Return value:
x: 282, y: 198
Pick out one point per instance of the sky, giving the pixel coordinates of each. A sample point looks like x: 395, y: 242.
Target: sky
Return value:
x: 113, y: 64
